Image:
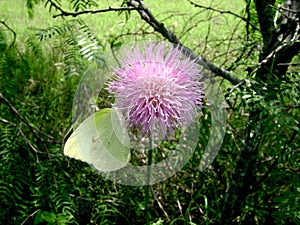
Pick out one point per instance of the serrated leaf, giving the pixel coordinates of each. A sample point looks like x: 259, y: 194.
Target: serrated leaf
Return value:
x: 101, y: 140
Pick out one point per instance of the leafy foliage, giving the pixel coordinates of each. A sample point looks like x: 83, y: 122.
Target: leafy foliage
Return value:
x: 78, y: 43
x: 78, y: 5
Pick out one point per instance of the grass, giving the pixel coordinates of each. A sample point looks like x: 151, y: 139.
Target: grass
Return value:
x: 178, y: 15
x: 215, y: 36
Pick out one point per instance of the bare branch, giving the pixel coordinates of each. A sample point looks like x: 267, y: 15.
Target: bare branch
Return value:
x: 19, y: 127
x: 87, y: 11
x: 32, y: 129
x: 159, y: 27
x: 147, y: 16
x: 295, y: 39
x: 225, y: 12
x: 137, y: 33
x: 13, y: 32
x: 160, y: 205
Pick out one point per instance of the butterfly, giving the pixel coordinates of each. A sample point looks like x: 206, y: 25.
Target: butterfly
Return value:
x: 101, y: 140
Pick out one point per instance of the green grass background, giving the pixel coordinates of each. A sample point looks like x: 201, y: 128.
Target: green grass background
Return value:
x: 177, y: 15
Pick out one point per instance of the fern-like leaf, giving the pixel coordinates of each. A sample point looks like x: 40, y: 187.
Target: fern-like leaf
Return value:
x: 79, y: 5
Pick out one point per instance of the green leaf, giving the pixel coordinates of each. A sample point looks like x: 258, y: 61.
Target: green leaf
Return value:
x: 101, y: 140
x: 44, y: 216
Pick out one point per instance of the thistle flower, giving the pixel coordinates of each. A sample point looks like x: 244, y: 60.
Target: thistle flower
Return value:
x: 158, y: 88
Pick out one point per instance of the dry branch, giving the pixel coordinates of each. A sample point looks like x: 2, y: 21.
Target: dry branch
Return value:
x: 147, y: 16
x: 159, y: 27
x: 225, y: 12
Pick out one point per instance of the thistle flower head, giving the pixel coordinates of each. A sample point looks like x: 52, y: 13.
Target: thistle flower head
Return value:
x: 158, y: 88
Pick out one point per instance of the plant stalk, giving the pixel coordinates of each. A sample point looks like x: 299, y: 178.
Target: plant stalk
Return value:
x: 148, y: 179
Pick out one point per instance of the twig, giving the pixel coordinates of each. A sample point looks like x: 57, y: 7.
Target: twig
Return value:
x: 137, y: 33
x: 15, y: 111
x: 88, y: 11
x: 21, y: 132
x: 30, y: 216
x: 8, y: 122
x: 225, y: 12
x: 207, y: 34
x: 161, y: 207
x: 271, y: 55
x: 229, y: 43
x: 147, y: 16
x: 180, y: 207
x: 27, y: 140
x: 11, y: 30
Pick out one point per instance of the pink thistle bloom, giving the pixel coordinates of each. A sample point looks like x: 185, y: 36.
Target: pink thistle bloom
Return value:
x: 158, y: 88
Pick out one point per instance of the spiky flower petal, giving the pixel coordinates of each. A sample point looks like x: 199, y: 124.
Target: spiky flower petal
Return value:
x: 158, y: 88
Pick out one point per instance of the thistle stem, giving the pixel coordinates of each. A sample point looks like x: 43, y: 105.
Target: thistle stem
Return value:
x: 148, y: 179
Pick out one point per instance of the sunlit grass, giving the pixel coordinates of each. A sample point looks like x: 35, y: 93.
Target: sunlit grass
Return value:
x: 178, y: 16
